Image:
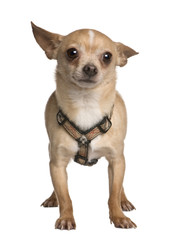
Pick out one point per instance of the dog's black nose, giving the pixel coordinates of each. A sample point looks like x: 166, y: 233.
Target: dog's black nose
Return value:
x: 90, y: 70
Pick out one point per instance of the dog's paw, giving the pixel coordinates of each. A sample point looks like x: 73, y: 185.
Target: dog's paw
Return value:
x: 123, y: 222
x: 127, y: 206
x: 65, y: 224
x: 50, y: 202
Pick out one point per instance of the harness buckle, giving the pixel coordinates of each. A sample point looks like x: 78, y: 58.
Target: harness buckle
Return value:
x: 82, y: 140
x: 60, y: 118
x: 105, y: 125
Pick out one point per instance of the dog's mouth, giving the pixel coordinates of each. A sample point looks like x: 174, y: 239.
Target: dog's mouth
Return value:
x: 84, y: 80
x: 87, y: 81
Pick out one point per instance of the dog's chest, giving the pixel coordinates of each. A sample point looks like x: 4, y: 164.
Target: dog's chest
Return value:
x: 95, y: 150
x: 88, y: 111
x: 87, y: 119
x: 88, y: 115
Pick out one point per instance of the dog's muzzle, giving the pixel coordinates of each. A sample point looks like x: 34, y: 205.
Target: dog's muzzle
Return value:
x: 90, y: 70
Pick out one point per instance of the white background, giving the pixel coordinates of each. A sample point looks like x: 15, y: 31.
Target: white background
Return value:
x: 151, y: 87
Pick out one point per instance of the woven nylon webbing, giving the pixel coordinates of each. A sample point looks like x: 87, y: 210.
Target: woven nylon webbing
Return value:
x: 83, y: 137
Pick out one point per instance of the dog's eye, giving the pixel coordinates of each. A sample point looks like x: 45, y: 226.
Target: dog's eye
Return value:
x: 72, y: 53
x: 107, y: 57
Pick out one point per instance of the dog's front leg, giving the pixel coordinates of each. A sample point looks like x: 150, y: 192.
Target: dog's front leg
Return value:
x: 59, y: 179
x: 116, y: 175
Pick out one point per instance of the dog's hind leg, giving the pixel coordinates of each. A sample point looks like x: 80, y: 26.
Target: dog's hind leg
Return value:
x: 125, y: 204
x: 51, y: 201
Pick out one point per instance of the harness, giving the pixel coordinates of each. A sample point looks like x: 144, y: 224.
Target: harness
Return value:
x: 84, y: 137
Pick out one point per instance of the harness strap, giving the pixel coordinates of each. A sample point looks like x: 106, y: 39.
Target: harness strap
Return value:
x: 83, y: 137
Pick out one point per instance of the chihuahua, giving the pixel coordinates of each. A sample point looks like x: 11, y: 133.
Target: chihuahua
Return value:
x: 86, y: 117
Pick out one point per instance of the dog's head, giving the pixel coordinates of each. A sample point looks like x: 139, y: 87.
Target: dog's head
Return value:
x: 85, y: 57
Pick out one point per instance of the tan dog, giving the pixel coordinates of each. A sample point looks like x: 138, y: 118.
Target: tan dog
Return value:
x: 79, y: 115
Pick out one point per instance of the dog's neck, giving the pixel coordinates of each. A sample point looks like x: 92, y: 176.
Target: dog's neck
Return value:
x: 85, y: 107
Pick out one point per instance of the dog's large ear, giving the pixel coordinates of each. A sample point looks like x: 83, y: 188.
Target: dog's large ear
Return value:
x: 123, y: 52
x: 48, y: 41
